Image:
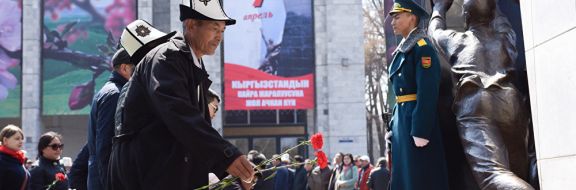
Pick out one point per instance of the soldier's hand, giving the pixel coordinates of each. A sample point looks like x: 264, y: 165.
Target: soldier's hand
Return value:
x: 388, y: 137
x: 420, y: 142
x: 241, y: 168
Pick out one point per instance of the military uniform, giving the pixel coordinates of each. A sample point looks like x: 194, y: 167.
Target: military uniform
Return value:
x: 415, y: 78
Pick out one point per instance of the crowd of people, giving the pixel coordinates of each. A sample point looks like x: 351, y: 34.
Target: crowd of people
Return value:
x: 19, y: 173
x: 153, y: 116
x: 345, y: 172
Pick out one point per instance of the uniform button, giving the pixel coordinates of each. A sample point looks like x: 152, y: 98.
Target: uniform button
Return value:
x: 400, y: 75
x: 402, y: 104
x: 401, y: 89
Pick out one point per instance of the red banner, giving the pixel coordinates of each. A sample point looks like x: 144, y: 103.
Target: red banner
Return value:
x: 250, y: 89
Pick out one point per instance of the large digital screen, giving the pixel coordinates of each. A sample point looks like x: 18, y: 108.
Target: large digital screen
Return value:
x: 79, y: 39
x: 269, y: 55
x: 10, y: 57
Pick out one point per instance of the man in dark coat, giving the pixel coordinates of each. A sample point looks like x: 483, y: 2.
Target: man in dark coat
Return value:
x: 263, y: 182
x: 319, y: 178
x: 300, y: 175
x: 417, y: 150
x: 284, y: 178
x: 102, y: 115
x: 379, y: 177
x: 78, y: 175
x: 163, y: 121
x: 101, y: 120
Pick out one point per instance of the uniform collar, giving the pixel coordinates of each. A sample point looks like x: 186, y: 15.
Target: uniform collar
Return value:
x: 408, y: 43
x: 410, y: 33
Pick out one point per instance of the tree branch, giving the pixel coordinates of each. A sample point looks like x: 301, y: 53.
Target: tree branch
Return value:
x: 87, y: 6
x: 79, y: 59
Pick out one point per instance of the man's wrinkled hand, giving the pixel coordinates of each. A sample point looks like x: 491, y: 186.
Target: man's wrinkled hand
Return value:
x: 242, y: 168
x: 247, y: 186
x: 420, y: 142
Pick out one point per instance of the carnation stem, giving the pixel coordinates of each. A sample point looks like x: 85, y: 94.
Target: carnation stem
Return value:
x: 227, y: 181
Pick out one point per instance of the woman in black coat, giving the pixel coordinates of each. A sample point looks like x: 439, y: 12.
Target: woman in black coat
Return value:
x: 43, y: 176
x: 13, y: 174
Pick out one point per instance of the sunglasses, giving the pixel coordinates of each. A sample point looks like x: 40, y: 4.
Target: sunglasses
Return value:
x: 56, y: 146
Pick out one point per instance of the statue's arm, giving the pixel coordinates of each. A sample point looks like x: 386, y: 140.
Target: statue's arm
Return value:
x: 438, y: 18
x: 437, y: 30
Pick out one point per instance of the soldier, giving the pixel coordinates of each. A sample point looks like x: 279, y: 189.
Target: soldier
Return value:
x: 417, y: 149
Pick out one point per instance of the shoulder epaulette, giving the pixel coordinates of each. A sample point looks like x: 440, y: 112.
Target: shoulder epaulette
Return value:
x: 422, y: 42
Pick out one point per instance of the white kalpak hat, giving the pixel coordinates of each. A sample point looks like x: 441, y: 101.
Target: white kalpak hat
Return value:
x: 204, y: 10
x: 285, y: 157
x: 365, y: 158
x: 139, y: 37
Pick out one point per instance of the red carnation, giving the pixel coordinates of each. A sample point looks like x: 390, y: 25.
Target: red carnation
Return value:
x: 321, y: 159
x: 317, y: 141
x: 60, y: 177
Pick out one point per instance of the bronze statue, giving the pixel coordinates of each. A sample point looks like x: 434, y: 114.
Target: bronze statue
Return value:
x: 491, y: 116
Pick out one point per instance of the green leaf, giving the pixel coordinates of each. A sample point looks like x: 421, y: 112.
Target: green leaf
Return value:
x: 68, y: 27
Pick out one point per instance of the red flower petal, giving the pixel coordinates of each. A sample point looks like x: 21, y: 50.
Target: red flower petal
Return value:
x: 60, y: 177
x: 321, y: 159
x: 317, y: 141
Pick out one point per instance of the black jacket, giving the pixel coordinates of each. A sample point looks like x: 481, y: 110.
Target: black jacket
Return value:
x: 300, y: 178
x: 101, y: 130
x: 43, y: 175
x: 264, y: 182
x: 78, y: 175
x: 164, y: 138
x: 379, y: 179
x: 12, y: 173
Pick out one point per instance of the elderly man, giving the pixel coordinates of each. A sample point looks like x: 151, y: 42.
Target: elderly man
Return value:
x: 163, y: 120
x: 363, y: 173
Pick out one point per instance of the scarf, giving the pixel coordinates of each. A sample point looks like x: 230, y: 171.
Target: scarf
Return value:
x: 19, y: 155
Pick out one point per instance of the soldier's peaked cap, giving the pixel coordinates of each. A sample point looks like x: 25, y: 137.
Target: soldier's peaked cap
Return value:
x: 408, y: 6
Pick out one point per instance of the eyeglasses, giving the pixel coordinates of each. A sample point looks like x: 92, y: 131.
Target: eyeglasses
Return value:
x: 55, y: 147
x: 215, y: 107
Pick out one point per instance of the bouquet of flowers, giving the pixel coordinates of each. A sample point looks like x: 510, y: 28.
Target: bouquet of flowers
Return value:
x: 317, y: 143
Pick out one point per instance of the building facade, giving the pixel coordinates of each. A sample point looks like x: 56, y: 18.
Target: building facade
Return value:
x: 338, y: 113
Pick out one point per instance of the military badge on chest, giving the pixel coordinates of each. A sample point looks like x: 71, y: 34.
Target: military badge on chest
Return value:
x: 426, y: 62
